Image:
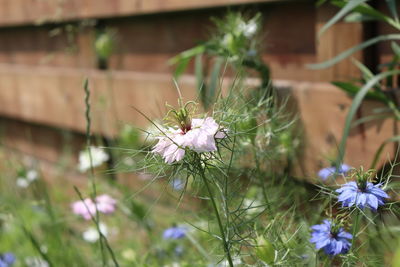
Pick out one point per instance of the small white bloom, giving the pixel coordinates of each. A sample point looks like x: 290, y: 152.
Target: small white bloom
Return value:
x: 91, y: 235
x: 236, y: 262
x: 99, y: 156
x: 249, y: 28
x: 22, y: 182
x: 36, y: 262
x: 29, y: 177
x: 32, y: 175
x: 252, y: 206
x: 129, y: 161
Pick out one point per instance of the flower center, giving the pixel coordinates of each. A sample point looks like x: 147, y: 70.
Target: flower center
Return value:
x: 333, y: 234
x: 185, y: 128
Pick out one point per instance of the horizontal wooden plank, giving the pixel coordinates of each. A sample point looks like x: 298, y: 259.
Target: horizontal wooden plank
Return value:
x: 55, y: 97
x: 48, y: 46
x: 22, y: 12
x: 146, y: 43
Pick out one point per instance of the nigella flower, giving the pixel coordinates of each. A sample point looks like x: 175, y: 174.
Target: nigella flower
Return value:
x: 87, y: 208
x: 325, y: 173
x: 362, y: 195
x: 177, y: 184
x: 24, y: 180
x: 199, y: 135
x: 7, y: 259
x: 106, y: 204
x: 91, y: 235
x: 248, y: 29
x: 98, y: 157
x: 334, y: 240
x: 176, y: 232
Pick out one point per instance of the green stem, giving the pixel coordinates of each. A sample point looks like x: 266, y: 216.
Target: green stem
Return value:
x: 355, y: 229
x: 221, y: 228
x: 262, y: 184
x: 96, y: 219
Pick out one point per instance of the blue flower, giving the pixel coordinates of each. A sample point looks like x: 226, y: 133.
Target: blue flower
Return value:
x: 175, y: 232
x: 325, y: 173
x: 7, y: 259
x: 332, y: 241
x: 369, y: 195
x: 177, y: 184
x: 179, y: 251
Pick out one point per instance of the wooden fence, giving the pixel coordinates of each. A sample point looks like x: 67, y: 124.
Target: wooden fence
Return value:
x: 47, y: 49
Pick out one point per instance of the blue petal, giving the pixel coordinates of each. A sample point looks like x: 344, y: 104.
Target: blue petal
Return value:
x: 346, y: 195
x: 378, y: 192
x: 361, y: 200
x: 322, y: 243
x: 372, y: 201
x: 339, y: 247
x: 343, y: 234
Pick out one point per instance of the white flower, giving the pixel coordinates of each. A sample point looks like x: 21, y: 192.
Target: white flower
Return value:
x: 200, y: 138
x: 252, y: 206
x: 236, y: 262
x: 249, y: 28
x: 129, y: 161
x: 99, y: 156
x: 91, y: 235
x: 36, y: 262
x: 25, y: 181
x: 32, y: 175
x: 22, y: 182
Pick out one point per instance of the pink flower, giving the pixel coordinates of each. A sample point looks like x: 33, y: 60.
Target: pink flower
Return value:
x: 200, y: 137
x: 105, y: 204
x: 87, y: 208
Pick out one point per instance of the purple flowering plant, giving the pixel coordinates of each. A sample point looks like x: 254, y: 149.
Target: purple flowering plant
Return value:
x: 175, y: 232
x: 362, y: 193
x: 332, y: 171
x: 7, y: 259
x: 331, y: 237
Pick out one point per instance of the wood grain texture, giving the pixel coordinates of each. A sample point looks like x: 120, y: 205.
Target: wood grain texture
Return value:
x: 55, y: 98
x: 146, y: 43
x: 25, y: 12
x: 335, y: 40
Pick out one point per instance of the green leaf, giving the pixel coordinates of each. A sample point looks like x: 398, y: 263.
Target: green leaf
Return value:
x: 365, y: 10
x: 265, y: 251
x: 393, y: 8
x: 181, y: 67
x: 380, y: 149
x: 198, y: 71
x: 214, y: 81
x: 350, y: 5
x: 353, y: 50
x: 354, y: 107
x: 396, y: 48
x: 358, y: 17
x: 353, y: 89
x: 187, y: 54
x: 367, y: 73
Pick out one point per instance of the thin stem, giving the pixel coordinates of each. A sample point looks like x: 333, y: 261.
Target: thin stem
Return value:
x: 262, y: 184
x: 102, y: 240
x: 221, y: 228
x: 355, y: 228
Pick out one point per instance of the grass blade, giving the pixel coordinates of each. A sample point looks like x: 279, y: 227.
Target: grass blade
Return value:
x: 354, y: 107
x: 353, y: 50
x: 378, y: 153
x: 345, y: 10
